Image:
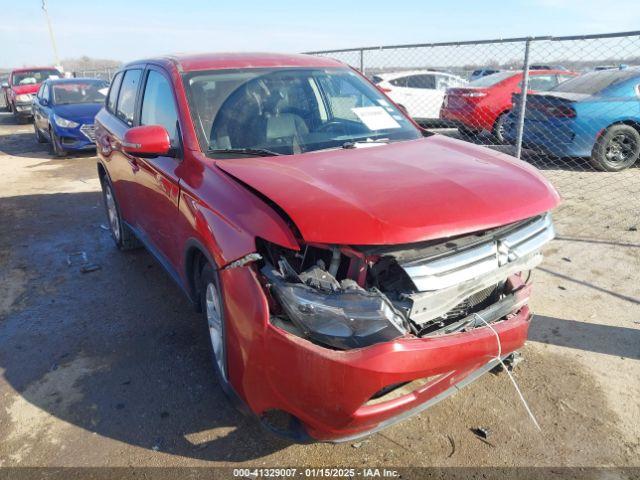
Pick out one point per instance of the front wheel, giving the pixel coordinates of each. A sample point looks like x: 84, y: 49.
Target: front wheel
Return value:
x: 56, y: 146
x: 616, y: 149
x: 39, y: 137
x: 212, y: 308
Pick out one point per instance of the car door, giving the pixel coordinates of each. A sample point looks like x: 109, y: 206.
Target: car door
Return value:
x: 426, y: 100
x: 37, y: 108
x: 156, y: 187
x: 398, y: 92
x: 45, y: 108
x: 114, y: 123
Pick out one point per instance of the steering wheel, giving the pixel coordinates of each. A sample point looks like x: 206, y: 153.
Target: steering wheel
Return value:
x: 330, y: 126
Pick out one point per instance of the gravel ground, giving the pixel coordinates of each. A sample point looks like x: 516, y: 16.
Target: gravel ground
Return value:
x: 112, y: 368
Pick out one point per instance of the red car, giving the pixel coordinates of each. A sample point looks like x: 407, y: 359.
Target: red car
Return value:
x: 485, y: 103
x: 344, y: 259
x: 22, y: 86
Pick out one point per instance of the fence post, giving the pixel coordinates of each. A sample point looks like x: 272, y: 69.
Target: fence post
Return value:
x: 523, y: 98
x: 362, y: 61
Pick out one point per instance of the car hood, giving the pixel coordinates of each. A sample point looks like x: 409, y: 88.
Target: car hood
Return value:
x: 78, y: 112
x: 22, y: 89
x: 402, y: 192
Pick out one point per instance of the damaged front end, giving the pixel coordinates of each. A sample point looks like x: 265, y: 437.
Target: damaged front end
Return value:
x: 346, y: 297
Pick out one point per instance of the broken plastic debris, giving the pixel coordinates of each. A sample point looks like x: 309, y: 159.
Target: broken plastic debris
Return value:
x: 82, y: 255
x: 481, y: 432
x: 92, y: 267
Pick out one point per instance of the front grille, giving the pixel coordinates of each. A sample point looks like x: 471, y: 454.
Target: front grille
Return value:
x: 460, y: 266
x: 89, y: 131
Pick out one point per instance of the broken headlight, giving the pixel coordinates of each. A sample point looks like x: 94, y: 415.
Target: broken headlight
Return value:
x: 343, y: 317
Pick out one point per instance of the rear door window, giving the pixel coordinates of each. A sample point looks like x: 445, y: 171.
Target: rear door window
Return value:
x: 127, y: 98
x: 158, y: 105
x: 113, y: 93
x: 399, y: 82
x: 421, y: 81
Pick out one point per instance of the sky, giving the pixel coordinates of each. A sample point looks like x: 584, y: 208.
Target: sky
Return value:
x: 128, y: 29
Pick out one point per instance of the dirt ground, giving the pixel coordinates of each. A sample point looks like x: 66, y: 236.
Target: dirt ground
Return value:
x: 112, y: 368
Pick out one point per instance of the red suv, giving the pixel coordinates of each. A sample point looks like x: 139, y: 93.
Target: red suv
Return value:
x: 22, y: 86
x: 485, y: 103
x: 345, y: 261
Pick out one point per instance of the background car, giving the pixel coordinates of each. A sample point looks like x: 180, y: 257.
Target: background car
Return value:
x: 485, y: 103
x: 596, y: 115
x: 4, y: 86
x: 483, y: 72
x: 537, y: 66
x: 22, y: 85
x: 419, y: 92
x: 64, y: 111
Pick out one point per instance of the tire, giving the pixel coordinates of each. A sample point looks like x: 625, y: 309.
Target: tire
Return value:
x: 213, y: 313
x: 616, y: 149
x: 121, y: 234
x: 498, y: 128
x: 55, y: 146
x: 39, y: 137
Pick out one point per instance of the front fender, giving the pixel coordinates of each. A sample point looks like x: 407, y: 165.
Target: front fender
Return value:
x: 226, y: 218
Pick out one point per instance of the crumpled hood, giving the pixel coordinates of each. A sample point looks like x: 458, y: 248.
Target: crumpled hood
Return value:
x: 402, y: 192
x: 79, y: 112
x: 22, y: 89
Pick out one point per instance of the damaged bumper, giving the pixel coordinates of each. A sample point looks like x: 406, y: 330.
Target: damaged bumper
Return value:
x: 338, y: 395
x: 349, y: 349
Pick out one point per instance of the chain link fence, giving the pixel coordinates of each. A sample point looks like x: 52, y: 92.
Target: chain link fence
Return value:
x: 578, y: 121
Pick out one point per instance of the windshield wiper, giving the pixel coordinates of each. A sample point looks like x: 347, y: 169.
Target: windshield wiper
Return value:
x: 262, y: 152
x: 365, y: 143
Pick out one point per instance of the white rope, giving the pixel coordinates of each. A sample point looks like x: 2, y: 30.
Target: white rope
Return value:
x: 513, y: 380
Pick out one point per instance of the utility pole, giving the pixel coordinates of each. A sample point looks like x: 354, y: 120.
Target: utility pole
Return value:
x: 53, y: 39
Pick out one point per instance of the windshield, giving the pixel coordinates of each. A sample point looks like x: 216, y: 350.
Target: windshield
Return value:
x: 594, y: 82
x: 81, y: 92
x: 29, y: 77
x: 288, y: 111
x: 493, y: 79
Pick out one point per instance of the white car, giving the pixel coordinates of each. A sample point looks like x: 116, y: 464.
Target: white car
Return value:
x: 420, y: 92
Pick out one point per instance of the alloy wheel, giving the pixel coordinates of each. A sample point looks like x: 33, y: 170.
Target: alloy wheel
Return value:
x: 112, y: 212
x: 620, y: 148
x: 214, y: 319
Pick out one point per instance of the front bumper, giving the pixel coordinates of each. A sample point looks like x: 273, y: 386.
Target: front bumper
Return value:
x: 23, y: 109
x: 76, y: 139
x: 328, y: 391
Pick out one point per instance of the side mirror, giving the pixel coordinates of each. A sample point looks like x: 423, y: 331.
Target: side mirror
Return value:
x: 147, y: 140
x: 5, y: 85
x: 44, y: 102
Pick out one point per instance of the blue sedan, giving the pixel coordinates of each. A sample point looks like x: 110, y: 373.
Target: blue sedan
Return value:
x: 64, y: 111
x: 595, y: 115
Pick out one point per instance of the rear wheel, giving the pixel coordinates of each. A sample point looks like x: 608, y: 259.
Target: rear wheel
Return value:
x: 121, y: 234
x: 213, y: 311
x: 616, y: 149
x: 499, y: 127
